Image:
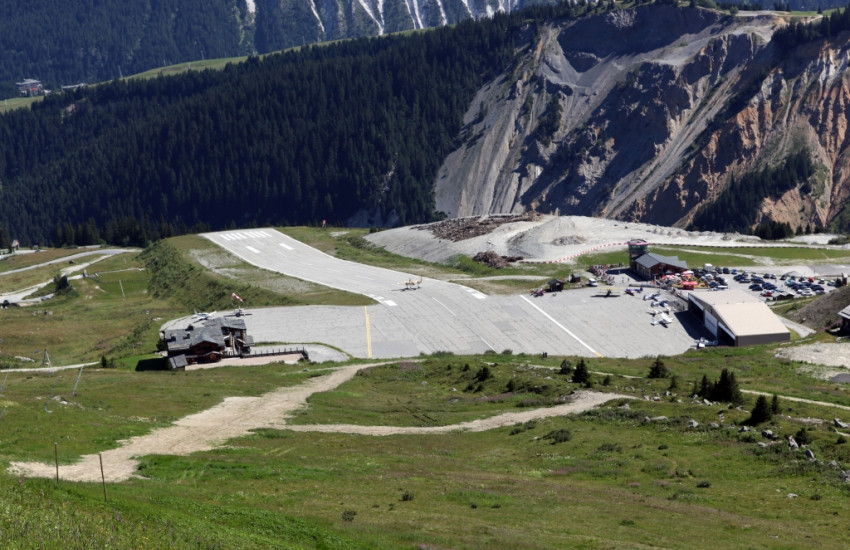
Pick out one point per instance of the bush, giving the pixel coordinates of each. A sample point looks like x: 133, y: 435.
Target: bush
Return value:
x: 566, y: 368
x: 406, y: 496
x: 704, y: 484
x: 348, y: 515
x: 558, y: 436
x: 802, y: 437
x: 658, y: 369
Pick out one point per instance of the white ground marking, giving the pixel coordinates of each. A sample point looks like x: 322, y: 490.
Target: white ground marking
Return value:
x: 445, y: 306
x: 562, y: 327
x: 252, y: 249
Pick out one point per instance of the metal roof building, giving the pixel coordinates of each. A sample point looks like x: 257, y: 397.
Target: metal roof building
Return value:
x: 736, y: 318
x: 652, y: 265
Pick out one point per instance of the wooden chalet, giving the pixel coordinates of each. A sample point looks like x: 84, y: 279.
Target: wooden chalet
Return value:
x: 207, y: 342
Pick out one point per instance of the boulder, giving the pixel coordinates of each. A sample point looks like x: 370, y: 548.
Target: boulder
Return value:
x: 810, y: 455
x: 792, y: 443
x: 693, y: 423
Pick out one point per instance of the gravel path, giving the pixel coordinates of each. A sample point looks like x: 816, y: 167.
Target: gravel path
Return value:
x: 237, y: 416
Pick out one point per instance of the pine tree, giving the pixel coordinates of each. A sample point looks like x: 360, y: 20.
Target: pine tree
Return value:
x: 580, y: 375
x: 658, y: 369
x: 760, y: 413
x: 774, y: 404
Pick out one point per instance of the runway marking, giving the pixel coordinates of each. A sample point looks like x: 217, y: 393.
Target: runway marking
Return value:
x: 488, y: 343
x: 475, y: 293
x: 390, y: 303
x: 252, y: 249
x: 562, y: 327
x: 368, y: 334
x: 286, y: 246
x: 226, y: 237
x: 447, y: 309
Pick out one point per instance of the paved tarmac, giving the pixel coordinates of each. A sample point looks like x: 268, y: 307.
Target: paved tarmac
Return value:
x: 443, y: 316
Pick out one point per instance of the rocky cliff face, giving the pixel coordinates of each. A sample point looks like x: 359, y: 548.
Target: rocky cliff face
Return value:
x: 642, y: 115
x: 286, y: 23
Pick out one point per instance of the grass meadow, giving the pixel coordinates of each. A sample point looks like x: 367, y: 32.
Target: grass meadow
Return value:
x: 607, y: 478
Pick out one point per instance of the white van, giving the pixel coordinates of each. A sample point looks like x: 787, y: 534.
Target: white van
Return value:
x: 592, y: 282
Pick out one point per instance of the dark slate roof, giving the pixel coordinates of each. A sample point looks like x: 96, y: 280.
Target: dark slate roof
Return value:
x: 213, y: 331
x: 177, y: 362
x: 231, y: 322
x: 650, y: 260
x: 845, y: 312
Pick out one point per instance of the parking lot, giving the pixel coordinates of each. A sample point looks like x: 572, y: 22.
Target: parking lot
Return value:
x: 775, y: 283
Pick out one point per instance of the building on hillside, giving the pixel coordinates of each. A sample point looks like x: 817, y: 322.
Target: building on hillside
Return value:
x: 30, y: 87
x: 208, y: 342
x: 736, y: 318
x: 651, y: 265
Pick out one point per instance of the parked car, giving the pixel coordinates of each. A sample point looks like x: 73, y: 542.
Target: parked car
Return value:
x: 806, y: 292
x: 767, y: 293
x: 756, y: 286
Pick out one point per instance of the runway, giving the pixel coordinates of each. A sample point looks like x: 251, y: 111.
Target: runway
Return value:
x: 442, y: 316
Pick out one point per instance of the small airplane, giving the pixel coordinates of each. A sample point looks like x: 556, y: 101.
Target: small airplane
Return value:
x: 240, y: 312
x: 702, y: 342
x: 654, y: 297
x: 410, y: 284
x: 665, y: 319
x: 203, y: 315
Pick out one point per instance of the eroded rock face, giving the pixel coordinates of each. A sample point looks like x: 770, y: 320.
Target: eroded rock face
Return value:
x: 642, y: 126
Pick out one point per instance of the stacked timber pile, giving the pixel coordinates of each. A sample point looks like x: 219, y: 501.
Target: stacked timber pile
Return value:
x: 459, y: 229
x: 494, y: 260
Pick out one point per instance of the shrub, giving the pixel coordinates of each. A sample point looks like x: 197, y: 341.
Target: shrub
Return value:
x: 406, y: 496
x: 704, y: 484
x: 802, y: 437
x: 674, y: 383
x: 566, y: 368
x: 348, y: 515
x: 607, y: 380
x: 558, y: 436
x: 658, y: 369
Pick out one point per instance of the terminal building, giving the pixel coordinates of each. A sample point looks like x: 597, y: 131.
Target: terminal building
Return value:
x: 736, y: 318
x: 649, y: 265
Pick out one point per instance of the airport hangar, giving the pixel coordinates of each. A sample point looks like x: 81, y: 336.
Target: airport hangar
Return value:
x: 736, y: 318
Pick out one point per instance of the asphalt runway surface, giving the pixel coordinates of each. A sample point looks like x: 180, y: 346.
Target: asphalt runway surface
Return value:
x: 443, y: 316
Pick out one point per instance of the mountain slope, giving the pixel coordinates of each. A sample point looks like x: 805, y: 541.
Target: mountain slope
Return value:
x: 599, y: 119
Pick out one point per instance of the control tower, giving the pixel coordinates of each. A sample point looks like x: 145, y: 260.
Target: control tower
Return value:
x: 637, y: 248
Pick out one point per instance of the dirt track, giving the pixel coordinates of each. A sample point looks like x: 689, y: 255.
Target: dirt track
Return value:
x: 237, y: 416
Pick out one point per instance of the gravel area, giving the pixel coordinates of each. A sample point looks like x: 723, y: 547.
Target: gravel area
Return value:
x: 825, y: 360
